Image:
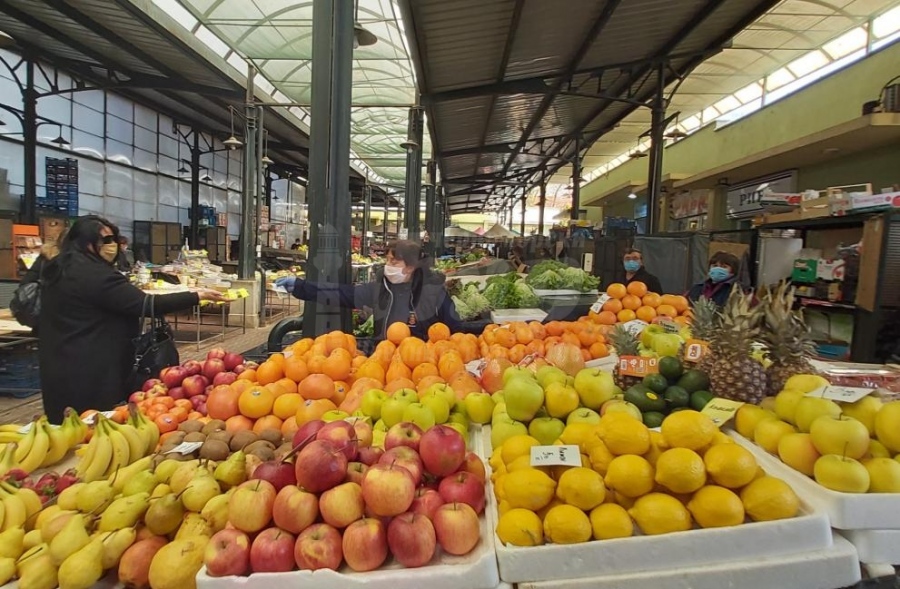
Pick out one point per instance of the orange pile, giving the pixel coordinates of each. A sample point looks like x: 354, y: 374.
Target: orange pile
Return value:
x: 519, y: 340
x: 635, y: 302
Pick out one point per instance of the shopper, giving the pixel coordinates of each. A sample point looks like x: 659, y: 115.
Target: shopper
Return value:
x: 125, y: 259
x: 296, y: 244
x: 517, y: 258
x: 633, y: 262
x: 721, y: 277
x: 404, y: 291
x: 48, y: 251
x: 89, y: 317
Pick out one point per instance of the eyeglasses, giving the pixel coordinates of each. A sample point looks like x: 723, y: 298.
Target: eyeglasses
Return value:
x: 108, y: 239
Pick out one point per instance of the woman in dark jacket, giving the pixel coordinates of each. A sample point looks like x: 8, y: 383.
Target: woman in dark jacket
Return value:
x: 404, y: 291
x: 722, y: 276
x: 89, y: 317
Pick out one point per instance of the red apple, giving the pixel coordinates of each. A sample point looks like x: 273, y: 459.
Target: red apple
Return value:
x: 307, y: 432
x: 149, y: 384
x: 173, y: 376
x: 157, y: 391
x: 342, y: 505
x: 227, y: 554
x: 426, y: 502
x: 198, y: 400
x: 369, y: 455
x: 388, y: 489
x: 294, y: 509
x: 475, y: 465
x: 239, y: 369
x: 177, y: 393
x: 320, y: 466
x: 457, y: 528
x: 212, y: 367
x: 411, y: 539
x: 463, y: 487
x: 280, y: 474
x: 403, y: 434
x: 195, y: 385
x: 365, y: 544
x: 216, y: 354
x: 407, y: 458
x: 364, y: 432
x: 443, y: 450
x: 232, y: 360
x: 356, y: 471
x: 250, y: 506
x: 342, y: 435
x: 224, y: 378
x: 137, y: 397
x: 272, y: 552
x: 192, y: 367
x: 201, y: 408
x: 318, y: 547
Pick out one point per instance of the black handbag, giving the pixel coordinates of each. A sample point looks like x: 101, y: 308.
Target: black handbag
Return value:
x: 154, y: 349
x: 26, y: 300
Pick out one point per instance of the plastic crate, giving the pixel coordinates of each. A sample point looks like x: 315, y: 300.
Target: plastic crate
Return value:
x: 19, y: 371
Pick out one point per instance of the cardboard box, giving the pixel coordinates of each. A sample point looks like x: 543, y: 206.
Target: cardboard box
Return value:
x: 817, y: 207
x: 874, y: 202
x: 788, y: 217
x: 829, y: 269
x: 805, y: 270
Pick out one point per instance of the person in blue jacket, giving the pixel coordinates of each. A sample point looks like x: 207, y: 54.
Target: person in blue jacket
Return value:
x: 404, y: 291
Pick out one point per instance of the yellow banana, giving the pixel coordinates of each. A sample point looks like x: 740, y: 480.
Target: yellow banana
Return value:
x: 39, y: 449
x: 11, y: 437
x: 59, y: 444
x: 147, y: 428
x: 95, y: 462
x: 121, y: 452
x: 15, y: 512
x: 137, y: 446
x: 10, y: 427
x: 29, y: 498
x: 7, y: 459
x: 25, y: 444
x: 79, y: 428
x: 118, y: 479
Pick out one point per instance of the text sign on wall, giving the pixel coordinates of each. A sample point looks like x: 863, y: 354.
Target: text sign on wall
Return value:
x: 743, y: 200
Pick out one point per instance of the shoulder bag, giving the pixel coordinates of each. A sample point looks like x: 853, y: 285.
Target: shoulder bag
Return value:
x: 25, y: 304
x: 154, y: 349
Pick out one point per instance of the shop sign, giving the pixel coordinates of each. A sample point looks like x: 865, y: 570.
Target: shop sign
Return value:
x: 690, y: 203
x: 744, y: 200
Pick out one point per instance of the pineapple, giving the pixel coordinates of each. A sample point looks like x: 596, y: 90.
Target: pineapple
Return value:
x: 626, y: 344
x: 705, y: 320
x: 787, y: 338
x: 733, y: 374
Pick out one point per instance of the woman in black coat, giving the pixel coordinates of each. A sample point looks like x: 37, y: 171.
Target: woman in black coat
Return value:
x: 89, y: 316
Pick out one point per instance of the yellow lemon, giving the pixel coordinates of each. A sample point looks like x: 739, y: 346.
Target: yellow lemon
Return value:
x: 658, y: 513
x: 543, y: 511
x: 600, y: 457
x: 688, y: 429
x: 629, y: 475
x: 730, y: 465
x: 565, y: 524
x: 523, y: 462
x: 680, y: 470
x: 611, y: 521
x: 520, y: 527
x: 575, y: 433
x: 721, y: 438
x: 503, y: 507
x: 716, y: 507
x: 529, y: 489
x: 626, y: 436
x: 516, y: 446
x: 621, y: 500
x: 592, y: 439
x: 582, y: 488
x: 747, y: 416
x: 657, y: 447
x: 768, y: 498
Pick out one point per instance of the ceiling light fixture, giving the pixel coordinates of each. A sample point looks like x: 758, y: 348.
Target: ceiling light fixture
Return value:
x: 232, y: 142
x: 206, y: 178
x: 632, y: 196
x: 60, y: 141
x: 183, y: 170
x: 361, y: 36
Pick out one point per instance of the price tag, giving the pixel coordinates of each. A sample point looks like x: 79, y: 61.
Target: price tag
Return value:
x: 555, y: 456
x: 185, y: 448
x: 638, y: 366
x: 92, y: 418
x: 26, y: 428
x: 669, y: 326
x: 635, y: 326
x: 475, y: 367
x: 601, y: 300
x: 842, y: 394
x: 721, y: 410
x: 694, y: 350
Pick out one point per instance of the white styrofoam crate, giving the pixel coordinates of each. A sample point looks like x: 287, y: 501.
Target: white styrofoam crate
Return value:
x: 833, y: 567
x: 876, y: 546
x: 846, y: 511
x: 808, y: 532
x: 502, y: 316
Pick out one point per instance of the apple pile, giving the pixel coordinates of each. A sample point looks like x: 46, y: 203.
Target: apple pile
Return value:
x: 345, y: 503
x: 845, y: 447
x: 436, y: 404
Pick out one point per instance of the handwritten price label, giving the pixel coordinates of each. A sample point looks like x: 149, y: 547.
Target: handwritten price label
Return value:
x: 695, y: 349
x: 638, y: 366
x: 635, y: 326
x: 185, y: 448
x: 721, y: 410
x: 601, y: 300
x: 842, y: 394
x: 92, y: 418
x: 555, y: 456
x: 669, y: 326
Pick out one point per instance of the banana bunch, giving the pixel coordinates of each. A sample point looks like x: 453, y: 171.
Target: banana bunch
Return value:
x: 45, y: 445
x: 7, y: 458
x: 114, y: 446
x: 17, y: 506
x: 11, y: 433
x: 145, y: 427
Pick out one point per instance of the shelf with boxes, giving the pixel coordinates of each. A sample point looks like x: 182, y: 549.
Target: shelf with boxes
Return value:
x: 61, y: 187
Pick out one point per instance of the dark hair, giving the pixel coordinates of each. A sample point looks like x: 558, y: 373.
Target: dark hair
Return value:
x: 729, y: 260
x: 408, y: 251
x: 84, y: 232
x: 123, y: 240
x: 632, y: 250
x: 517, y: 250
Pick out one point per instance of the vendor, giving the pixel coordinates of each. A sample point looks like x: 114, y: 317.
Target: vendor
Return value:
x: 633, y: 261
x: 404, y: 291
x: 517, y: 258
x: 721, y: 277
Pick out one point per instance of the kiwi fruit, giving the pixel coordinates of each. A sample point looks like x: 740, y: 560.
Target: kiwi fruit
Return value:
x: 242, y: 439
x: 264, y: 453
x: 192, y: 425
x: 195, y: 437
x: 213, y: 426
x: 170, y: 444
x: 222, y: 436
x: 214, y: 450
x: 283, y: 450
x: 250, y: 448
x: 272, y: 435
x: 176, y: 437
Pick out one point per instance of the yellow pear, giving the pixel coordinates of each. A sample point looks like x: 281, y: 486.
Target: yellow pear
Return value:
x: 12, y: 543
x: 124, y: 512
x: 7, y: 569
x: 177, y: 563
x: 84, y: 568
x: 68, y: 499
x: 115, y: 544
x: 71, y: 538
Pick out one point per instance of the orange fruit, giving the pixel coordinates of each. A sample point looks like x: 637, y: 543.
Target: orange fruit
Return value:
x: 428, y: 381
x: 397, y: 384
x: 316, y: 386
x: 222, y: 403
x: 612, y: 305
x: 668, y: 299
x: 166, y: 422
x: 651, y: 299
x: 666, y: 311
x: 364, y: 385
x: 524, y: 335
x: 606, y: 318
x: 239, y: 386
x: 276, y: 389
x: 397, y: 370
x: 412, y: 351
x: 646, y: 313
x: 517, y: 353
x: 337, y: 365
x: 616, y: 290
x: 682, y: 320
x: 505, y: 337
x: 536, y: 347
x: 626, y: 315
x: 537, y: 329
x: 681, y: 304
x: 340, y: 392
x: 289, y: 427
x: 313, y: 409
x: 554, y: 328
x: 238, y: 423
x: 598, y: 350
x: 370, y: 369
x: 301, y: 346
x: 270, y: 371
x: 277, y: 358
x: 295, y: 368
x: 464, y: 383
x: 288, y: 385
x: 334, y: 340
x: 397, y: 332
x: 186, y: 403
x: 256, y: 402
x: 267, y: 422
x: 423, y: 370
x: 285, y: 406
x: 438, y: 332
x: 587, y: 337
x: 451, y: 363
x: 636, y: 288
x: 631, y: 302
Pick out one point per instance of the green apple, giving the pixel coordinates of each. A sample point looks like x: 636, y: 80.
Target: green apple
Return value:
x: 499, y: 409
x: 458, y: 407
x: 524, y: 396
x: 667, y: 344
x: 406, y: 395
x: 840, y: 435
x: 420, y: 415
x: 334, y: 415
x: 570, y: 381
x: 546, y: 430
x: 547, y: 374
x: 392, y: 411
x: 560, y: 400
x: 443, y: 390
x: 460, y: 418
x: 811, y: 408
x: 864, y: 411
x: 371, y: 403
x: 516, y: 371
x: 621, y: 406
x: 361, y: 414
x: 438, y: 405
x: 498, y: 397
x: 583, y: 415
x: 649, y: 333
x: 595, y: 387
x: 479, y: 407
x: 380, y: 426
x: 504, y: 428
x: 843, y: 474
x: 462, y: 429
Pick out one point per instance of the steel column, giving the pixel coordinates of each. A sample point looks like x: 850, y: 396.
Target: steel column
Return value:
x: 522, y: 218
x: 413, y: 171
x: 576, y: 178
x: 329, y: 164
x: 384, y: 225
x: 542, y: 203
x: 657, y: 129
x: 195, y: 190
x: 367, y: 213
x: 440, y: 220
x: 260, y: 177
x: 249, y: 185
x: 29, y: 145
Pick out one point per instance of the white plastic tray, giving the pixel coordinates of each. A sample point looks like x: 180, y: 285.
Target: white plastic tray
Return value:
x: 502, y: 316
x: 876, y: 546
x: 846, y: 511
x: 836, y: 566
x: 561, y: 292
x: 808, y: 532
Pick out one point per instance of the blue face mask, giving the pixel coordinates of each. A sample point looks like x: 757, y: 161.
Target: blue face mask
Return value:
x: 717, y: 274
x: 632, y: 265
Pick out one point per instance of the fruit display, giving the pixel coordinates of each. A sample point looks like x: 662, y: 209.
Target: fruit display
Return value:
x: 845, y: 447
x: 627, y: 303
x: 672, y: 389
x: 554, y: 342
x: 554, y: 275
x: 789, y: 343
x: 39, y: 444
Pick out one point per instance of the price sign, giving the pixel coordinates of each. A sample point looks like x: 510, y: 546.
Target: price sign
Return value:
x: 638, y: 366
x: 842, y: 394
x: 92, y: 418
x: 721, y: 410
x: 185, y: 448
x: 694, y: 350
x: 601, y: 300
x: 635, y: 326
x: 669, y: 326
x: 475, y: 367
x: 555, y: 456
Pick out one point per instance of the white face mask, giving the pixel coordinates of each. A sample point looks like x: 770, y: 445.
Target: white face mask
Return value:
x: 395, y: 275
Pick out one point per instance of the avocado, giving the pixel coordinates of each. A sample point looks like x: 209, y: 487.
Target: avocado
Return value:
x: 656, y: 383
x: 645, y: 400
x: 670, y: 367
x: 694, y: 380
x: 652, y: 418
x: 699, y: 399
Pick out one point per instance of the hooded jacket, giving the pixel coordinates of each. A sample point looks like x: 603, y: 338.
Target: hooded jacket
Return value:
x: 718, y: 292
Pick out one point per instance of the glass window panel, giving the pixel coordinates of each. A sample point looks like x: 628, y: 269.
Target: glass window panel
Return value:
x: 55, y: 108
x: 145, y: 139
x: 11, y: 94
x: 234, y: 225
x: 89, y: 204
x: 88, y: 119
x: 220, y: 200
x: 184, y: 194
x: 749, y: 93
x: 710, y: 114
x: 91, y: 98
x: 808, y: 63
x: 727, y: 104
x: 205, y: 195
x: 887, y: 24
x: 119, y: 152
x: 212, y: 41
x: 145, y: 117
x: 238, y: 63
x: 167, y: 191
x: 87, y: 144
x: 91, y: 178
x: 119, y: 181
x: 234, y: 202
x: 167, y: 214
x: 178, y: 12
x: 118, y: 207
x: 168, y: 146
x: 168, y: 165
x: 145, y: 211
x: 145, y: 160
x: 120, y: 107
x: 778, y: 78
x: 221, y: 164
x: 846, y: 43
x: 119, y: 129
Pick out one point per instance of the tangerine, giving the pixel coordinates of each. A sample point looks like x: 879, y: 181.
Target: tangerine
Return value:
x: 666, y: 311
x: 631, y: 302
x: 295, y: 368
x: 337, y: 365
x: 524, y: 335
x: 256, y: 402
x: 599, y: 350
x: 681, y: 304
x: 646, y: 313
x: 166, y: 422
x: 651, y: 299
x: 238, y: 423
x: 316, y: 386
x: 451, y: 363
x: 668, y: 299
x: 636, y: 288
x: 626, y: 315
x: 612, y: 305
x: 287, y: 384
x: 270, y: 371
x: 428, y: 381
x: 616, y: 290
x: 505, y: 337
x: 412, y: 351
x: 285, y: 406
x: 248, y: 375
x: 397, y: 370
x: 334, y: 340
x: 517, y: 353
x: 606, y: 318
x: 267, y: 422
x: 438, y: 332
x: 340, y: 392
x: 397, y: 332
x: 370, y: 369
x: 397, y: 384
x: 313, y: 409
x: 423, y: 370
x: 537, y: 329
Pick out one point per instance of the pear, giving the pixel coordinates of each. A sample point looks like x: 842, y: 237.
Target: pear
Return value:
x: 176, y: 564
x: 124, y: 512
x: 70, y: 539
x: 115, y: 544
x: 194, y: 526
x: 51, y: 527
x: 31, y: 539
x: 160, y: 490
x: 12, y: 543
x: 233, y: 471
x: 35, y: 569
x: 184, y: 475
x: 215, y: 512
x: 164, y: 515
x: 143, y: 482
x: 95, y: 497
x: 165, y: 469
x: 7, y: 569
x: 68, y: 499
x: 84, y: 568
x: 47, y: 514
x: 199, y: 491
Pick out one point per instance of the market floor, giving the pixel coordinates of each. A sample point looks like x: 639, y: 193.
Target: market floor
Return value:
x: 14, y: 410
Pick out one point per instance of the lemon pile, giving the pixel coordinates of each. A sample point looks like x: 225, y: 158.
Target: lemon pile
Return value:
x: 633, y: 480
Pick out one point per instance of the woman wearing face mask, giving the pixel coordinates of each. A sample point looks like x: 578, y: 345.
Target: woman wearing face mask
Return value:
x: 89, y: 317
x: 404, y: 291
x: 633, y: 262
x: 721, y: 277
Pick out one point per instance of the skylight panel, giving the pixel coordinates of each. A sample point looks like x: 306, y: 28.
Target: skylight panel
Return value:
x: 212, y: 41
x: 178, y: 13
x: 847, y: 43
x: 808, y: 63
